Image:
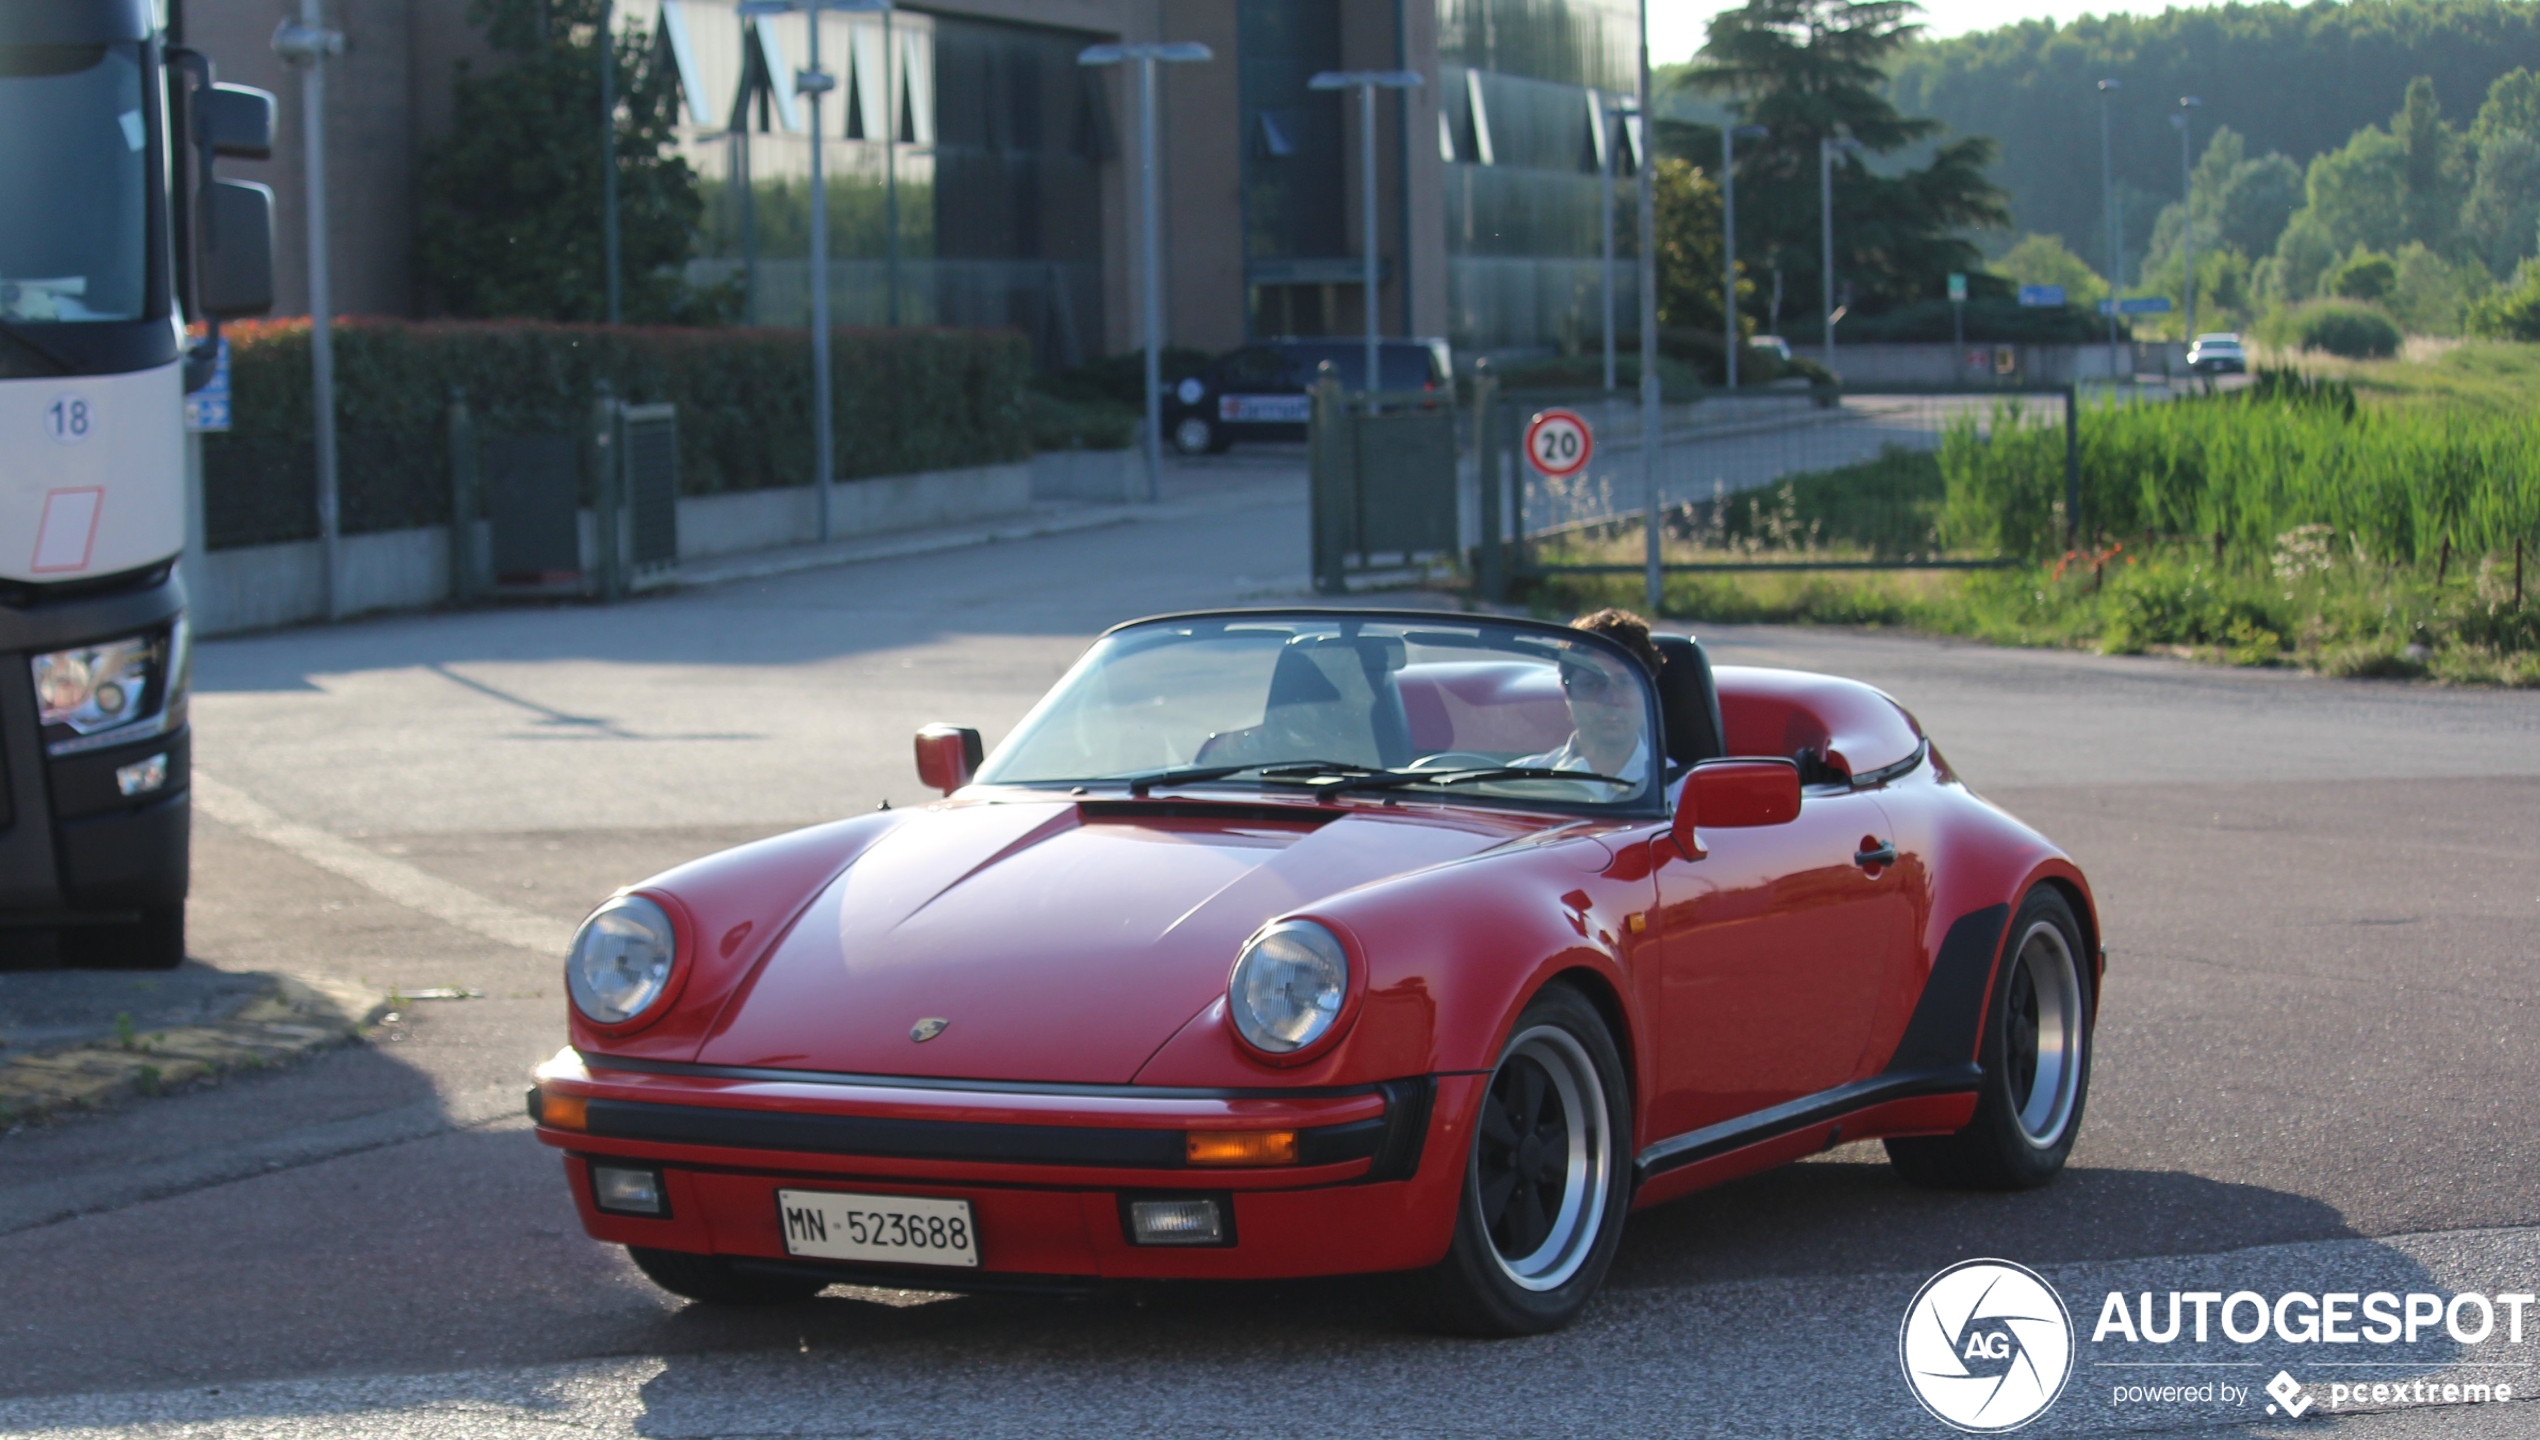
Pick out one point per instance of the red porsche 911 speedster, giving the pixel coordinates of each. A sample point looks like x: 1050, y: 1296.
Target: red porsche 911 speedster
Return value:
x: 1327, y: 941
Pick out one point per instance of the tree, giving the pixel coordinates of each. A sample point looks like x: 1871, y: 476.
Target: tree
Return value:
x: 1812, y: 70
x: 2501, y: 216
x: 2296, y: 78
x: 2437, y: 170
x: 1689, y: 258
x: 2043, y: 260
x: 511, y: 198
x: 2367, y: 275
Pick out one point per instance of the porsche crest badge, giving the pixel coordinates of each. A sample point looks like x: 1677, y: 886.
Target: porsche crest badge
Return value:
x: 927, y: 1029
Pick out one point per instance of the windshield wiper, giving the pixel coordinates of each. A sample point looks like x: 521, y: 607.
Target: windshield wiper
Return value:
x: 1398, y: 779
x: 1288, y: 770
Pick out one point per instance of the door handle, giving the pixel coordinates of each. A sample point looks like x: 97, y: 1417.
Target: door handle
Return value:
x: 1883, y: 854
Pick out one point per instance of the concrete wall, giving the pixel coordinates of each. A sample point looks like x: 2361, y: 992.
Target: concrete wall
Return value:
x: 261, y: 586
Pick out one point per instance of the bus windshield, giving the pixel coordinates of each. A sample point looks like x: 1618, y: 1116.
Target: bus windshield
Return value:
x: 74, y: 183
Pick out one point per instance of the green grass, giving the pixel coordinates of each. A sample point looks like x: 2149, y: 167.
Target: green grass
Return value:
x: 2473, y: 378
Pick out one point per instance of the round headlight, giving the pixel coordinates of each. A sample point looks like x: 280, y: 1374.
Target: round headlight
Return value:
x: 621, y: 959
x: 1191, y: 390
x: 1288, y: 986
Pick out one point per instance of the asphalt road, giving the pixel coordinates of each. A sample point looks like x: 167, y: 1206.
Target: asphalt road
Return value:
x: 2315, y: 1068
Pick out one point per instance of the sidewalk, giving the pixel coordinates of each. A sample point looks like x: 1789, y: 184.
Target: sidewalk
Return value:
x: 1193, y: 487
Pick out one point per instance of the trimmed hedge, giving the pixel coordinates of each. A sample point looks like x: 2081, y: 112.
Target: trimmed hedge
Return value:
x: 905, y: 401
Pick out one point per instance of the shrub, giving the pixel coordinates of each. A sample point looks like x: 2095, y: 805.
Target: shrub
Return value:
x: 2346, y: 328
x: 2509, y: 314
x: 903, y: 401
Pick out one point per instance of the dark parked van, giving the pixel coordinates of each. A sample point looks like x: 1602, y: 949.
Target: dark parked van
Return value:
x: 1259, y: 392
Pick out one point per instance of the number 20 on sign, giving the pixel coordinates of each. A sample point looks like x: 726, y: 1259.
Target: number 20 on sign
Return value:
x: 1558, y: 443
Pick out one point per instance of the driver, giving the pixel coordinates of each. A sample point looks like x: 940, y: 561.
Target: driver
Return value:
x: 1608, y: 717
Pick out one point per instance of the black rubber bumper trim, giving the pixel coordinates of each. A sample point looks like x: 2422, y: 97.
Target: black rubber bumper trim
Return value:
x: 967, y: 1086
x: 982, y: 1142
x: 1808, y: 1110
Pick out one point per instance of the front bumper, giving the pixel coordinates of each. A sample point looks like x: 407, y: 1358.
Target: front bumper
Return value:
x: 72, y: 845
x: 1374, y: 1187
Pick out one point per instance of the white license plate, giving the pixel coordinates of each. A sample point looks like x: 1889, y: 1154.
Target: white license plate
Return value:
x: 1265, y: 409
x: 900, y: 1229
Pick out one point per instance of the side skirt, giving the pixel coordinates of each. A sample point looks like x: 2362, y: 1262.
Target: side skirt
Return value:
x: 1712, y: 1141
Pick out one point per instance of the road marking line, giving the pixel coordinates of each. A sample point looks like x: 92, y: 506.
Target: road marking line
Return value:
x: 408, y: 886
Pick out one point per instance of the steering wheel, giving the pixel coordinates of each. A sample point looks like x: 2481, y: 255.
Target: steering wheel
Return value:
x: 1455, y: 760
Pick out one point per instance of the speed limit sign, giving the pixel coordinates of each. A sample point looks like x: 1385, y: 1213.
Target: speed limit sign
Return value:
x: 1558, y: 443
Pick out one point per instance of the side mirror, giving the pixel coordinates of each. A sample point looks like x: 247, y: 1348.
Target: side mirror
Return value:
x: 237, y: 254
x: 235, y: 121
x: 1734, y: 795
x: 947, y: 756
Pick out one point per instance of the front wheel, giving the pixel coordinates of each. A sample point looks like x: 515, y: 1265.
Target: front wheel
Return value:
x: 156, y: 941
x: 2036, y: 1058
x: 1195, y: 437
x: 1546, y: 1180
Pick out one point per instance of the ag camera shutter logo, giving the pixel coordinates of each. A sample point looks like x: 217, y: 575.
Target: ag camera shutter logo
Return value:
x: 1986, y: 1346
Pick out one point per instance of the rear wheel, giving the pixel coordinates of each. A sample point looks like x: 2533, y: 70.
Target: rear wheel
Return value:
x: 2036, y: 1058
x: 154, y: 942
x: 714, y: 1280
x: 1545, y: 1182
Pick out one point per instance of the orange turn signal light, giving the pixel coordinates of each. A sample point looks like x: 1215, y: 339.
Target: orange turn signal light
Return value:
x: 1240, y: 1147
x: 563, y: 1112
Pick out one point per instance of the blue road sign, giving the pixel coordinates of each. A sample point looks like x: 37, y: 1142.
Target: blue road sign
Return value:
x: 2048, y: 295
x: 208, y: 408
x: 2138, y: 305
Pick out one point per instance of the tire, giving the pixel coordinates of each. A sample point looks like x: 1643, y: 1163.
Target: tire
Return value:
x: 1560, y: 1067
x: 155, y: 942
x: 713, y: 1280
x: 2036, y: 1058
x: 1194, y: 436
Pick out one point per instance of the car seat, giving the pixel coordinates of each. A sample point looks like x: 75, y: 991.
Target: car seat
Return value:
x: 1688, y: 703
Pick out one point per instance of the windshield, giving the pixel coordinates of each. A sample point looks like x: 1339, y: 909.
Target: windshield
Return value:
x: 74, y: 187
x: 1444, y: 701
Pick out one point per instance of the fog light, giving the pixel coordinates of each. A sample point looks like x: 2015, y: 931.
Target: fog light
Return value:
x: 142, y: 776
x: 1177, y: 1222
x: 627, y: 1192
x: 1240, y: 1147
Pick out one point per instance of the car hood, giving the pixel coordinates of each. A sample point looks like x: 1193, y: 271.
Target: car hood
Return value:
x: 1061, y: 942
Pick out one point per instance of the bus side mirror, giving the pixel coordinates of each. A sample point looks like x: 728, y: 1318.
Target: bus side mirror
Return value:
x: 236, y: 260
x: 947, y: 756
x: 235, y: 122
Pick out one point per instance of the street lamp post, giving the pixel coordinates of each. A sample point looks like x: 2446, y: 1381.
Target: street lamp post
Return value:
x: 2187, y: 203
x: 816, y: 82
x: 1366, y: 83
x: 1826, y: 149
x: 306, y: 46
x: 1623, y: 109
x: 608, y: 160
x: 1652, y: 417
x: 1146, y: 57
x: 1729, y: 136
x: 2108, y: 210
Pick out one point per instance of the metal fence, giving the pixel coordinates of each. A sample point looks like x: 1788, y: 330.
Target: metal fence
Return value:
x: 1709, y: 450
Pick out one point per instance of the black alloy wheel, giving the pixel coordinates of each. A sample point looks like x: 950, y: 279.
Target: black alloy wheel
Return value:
x: 1547, y: 1178
x: 2036, y: 1058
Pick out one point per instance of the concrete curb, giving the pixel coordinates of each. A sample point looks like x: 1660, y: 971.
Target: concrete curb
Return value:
x: 294, y: 1018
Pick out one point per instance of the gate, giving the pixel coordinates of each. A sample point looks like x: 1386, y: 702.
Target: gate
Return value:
x: 1383, y: 469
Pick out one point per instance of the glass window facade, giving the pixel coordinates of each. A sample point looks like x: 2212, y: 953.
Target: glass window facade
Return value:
x: 975, y: 145
x: 1520, y: 82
